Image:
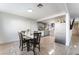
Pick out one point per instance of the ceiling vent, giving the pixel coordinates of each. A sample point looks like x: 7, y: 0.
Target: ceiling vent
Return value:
x: 40, y: 5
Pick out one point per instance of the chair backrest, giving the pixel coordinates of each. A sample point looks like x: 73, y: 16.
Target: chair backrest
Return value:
x: 20, y: 36
x: 23, y: 32
x: 37, y: 37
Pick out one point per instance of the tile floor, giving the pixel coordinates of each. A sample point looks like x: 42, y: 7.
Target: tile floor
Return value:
x: 74, y: 47
x: 13, y: 48
x: 48, y: 47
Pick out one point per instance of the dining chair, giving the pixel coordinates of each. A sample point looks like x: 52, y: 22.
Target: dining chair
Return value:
x: 23, y: 42
x: 36, y: 41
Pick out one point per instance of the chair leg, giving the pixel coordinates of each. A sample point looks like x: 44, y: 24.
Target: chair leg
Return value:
x: 34, y: 52
x: 34, y: 49
x: 22, y: 47
x: 39, y: 47
x: 28, y: 45
x: 20, y: 44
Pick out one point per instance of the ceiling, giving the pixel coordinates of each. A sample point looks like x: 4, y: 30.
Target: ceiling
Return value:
x: 73, y: 9
x: 20, y: 9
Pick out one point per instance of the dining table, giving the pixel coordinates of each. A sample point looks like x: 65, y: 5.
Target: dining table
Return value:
x: 28, y: 38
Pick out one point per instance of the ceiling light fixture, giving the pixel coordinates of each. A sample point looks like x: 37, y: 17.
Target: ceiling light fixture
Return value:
x: 29, y: 10
x: 40, y: 5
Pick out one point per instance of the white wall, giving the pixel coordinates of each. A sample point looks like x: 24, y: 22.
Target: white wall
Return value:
x: 10, y: 25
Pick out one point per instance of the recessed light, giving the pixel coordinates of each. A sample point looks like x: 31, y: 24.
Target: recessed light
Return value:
x: 29, y: 10
x: 75, y: 46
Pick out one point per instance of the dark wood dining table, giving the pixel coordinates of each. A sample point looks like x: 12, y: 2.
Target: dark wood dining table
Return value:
x: 28, y: 38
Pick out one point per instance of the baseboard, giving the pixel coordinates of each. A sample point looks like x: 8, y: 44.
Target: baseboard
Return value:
x: 8, y: 42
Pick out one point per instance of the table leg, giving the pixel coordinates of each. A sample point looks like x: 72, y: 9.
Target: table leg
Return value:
x: 28, y: 46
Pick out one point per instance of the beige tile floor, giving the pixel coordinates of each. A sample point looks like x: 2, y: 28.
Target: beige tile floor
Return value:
x: 13, y: 48
x: 48, y: 47
x: 74, y: 47
x: 60, y: 49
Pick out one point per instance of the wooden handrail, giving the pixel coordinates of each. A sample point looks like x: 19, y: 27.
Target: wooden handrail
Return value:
x: 71, y: 24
